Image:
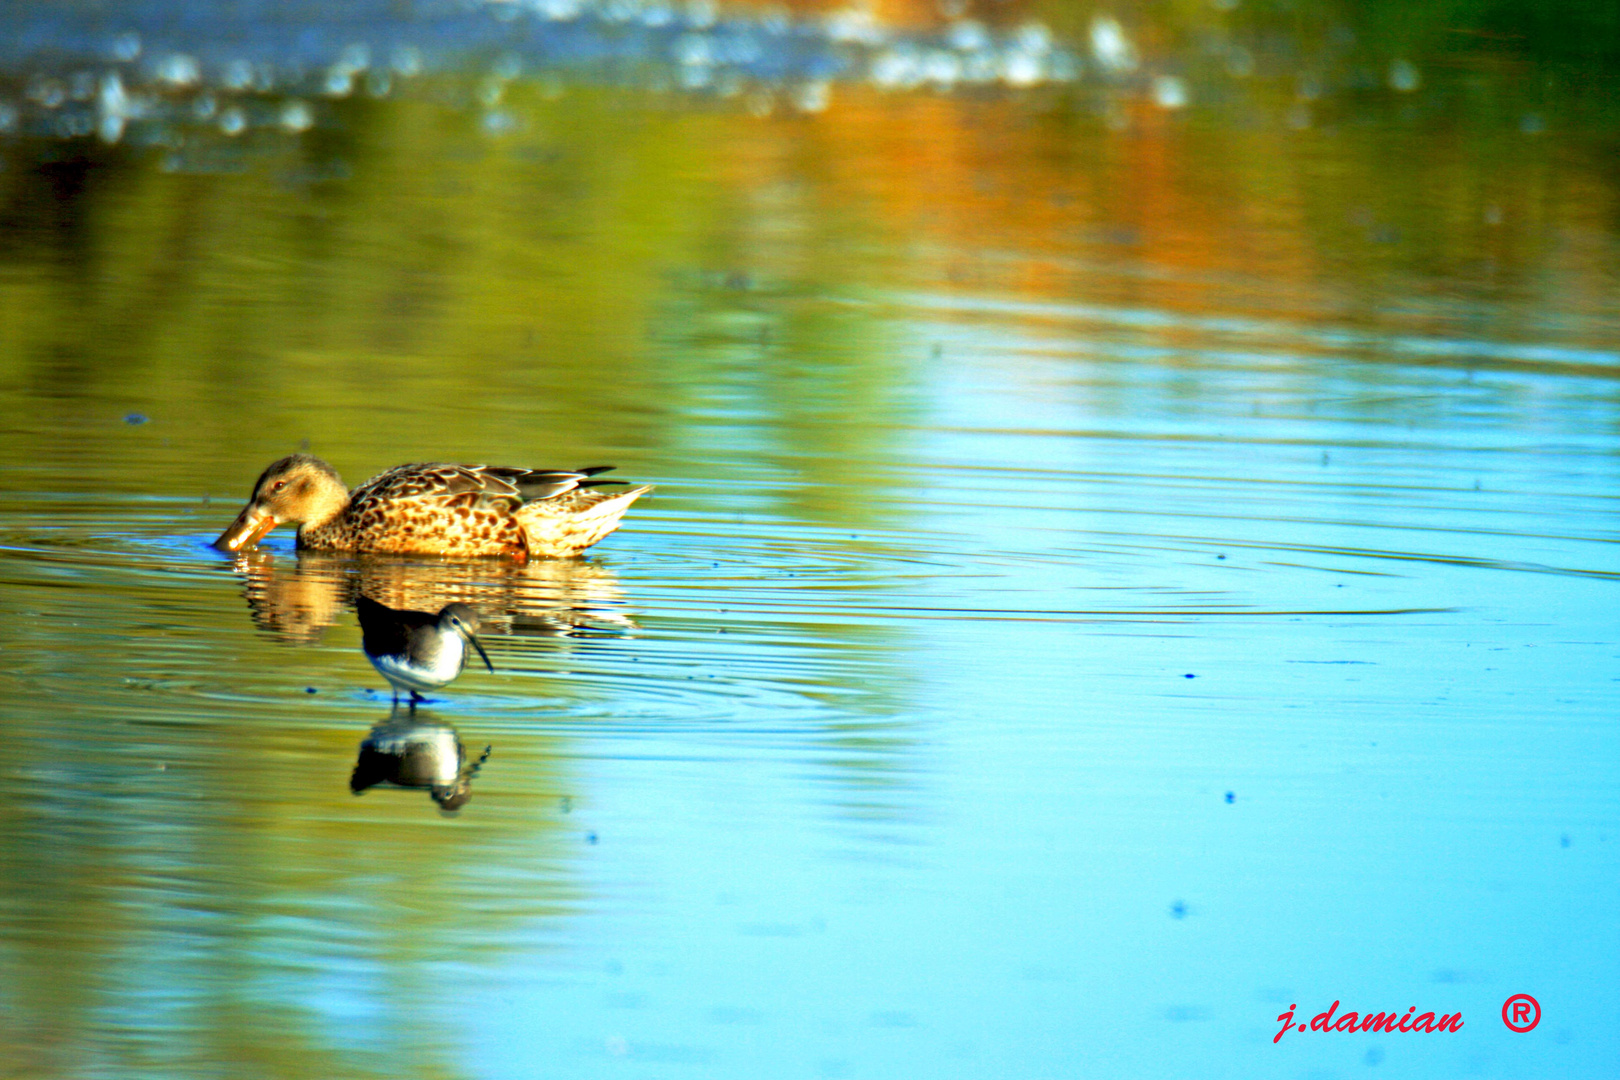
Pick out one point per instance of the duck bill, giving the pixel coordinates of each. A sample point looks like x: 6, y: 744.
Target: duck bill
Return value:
x: 248, y: 529
x: 482, y: 655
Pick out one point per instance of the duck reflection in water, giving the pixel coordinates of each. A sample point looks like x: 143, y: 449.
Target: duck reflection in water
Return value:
x: 416, y: 651
x: 296, y: 597
x: 294, y: 605
x: 410, y: 750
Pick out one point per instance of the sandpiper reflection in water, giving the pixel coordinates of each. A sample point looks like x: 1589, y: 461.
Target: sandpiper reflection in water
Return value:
x: 410, y: 750
x: 416, y: 651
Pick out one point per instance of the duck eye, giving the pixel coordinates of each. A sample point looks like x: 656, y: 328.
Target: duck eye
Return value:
x: 278, y: 485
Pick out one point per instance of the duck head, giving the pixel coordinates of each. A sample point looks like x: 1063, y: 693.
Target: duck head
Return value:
x: 300, y: 489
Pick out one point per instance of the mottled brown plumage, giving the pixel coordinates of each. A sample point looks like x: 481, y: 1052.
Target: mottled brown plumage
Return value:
x: 433, y: 509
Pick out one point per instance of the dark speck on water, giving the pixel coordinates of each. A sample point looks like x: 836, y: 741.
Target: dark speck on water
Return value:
x: 135, y: 419
x: 1178, y: 910
x: 1231, y: 797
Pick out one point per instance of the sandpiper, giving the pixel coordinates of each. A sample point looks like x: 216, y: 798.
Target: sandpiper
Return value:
x: 416, y: 651
x: 433, y: 509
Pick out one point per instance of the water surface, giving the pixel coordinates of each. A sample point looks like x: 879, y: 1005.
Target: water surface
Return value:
x: 1106, y: 582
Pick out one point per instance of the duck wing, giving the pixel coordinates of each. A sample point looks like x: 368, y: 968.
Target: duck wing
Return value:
x: 538, y: 484
x: 440, y: 481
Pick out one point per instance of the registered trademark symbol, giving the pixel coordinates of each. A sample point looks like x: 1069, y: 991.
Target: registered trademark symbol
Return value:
x: 1521, y: 1012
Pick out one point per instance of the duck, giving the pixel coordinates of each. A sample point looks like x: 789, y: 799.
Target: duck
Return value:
x: 415, y: 650
x: 433, y: 509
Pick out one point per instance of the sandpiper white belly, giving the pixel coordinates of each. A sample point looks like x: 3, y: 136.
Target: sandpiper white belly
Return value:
x: 409, y: 673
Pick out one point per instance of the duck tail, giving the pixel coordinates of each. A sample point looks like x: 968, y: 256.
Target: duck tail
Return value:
x: 569, y: 523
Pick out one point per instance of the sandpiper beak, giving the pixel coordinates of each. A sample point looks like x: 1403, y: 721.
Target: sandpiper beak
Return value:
x: 482, y: 655
x: 248, y: 529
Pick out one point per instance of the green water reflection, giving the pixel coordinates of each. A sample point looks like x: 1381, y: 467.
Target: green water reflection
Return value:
x: 537, y: 291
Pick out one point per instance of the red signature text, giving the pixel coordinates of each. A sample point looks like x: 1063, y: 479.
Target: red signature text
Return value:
x: 1384, y: 1021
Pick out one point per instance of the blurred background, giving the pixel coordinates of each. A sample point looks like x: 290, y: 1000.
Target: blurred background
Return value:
x: 1134, y: 547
